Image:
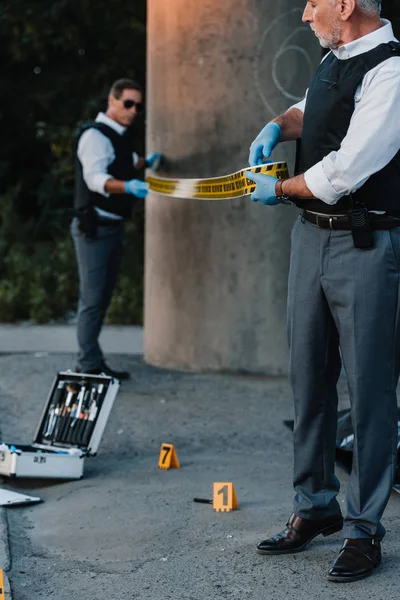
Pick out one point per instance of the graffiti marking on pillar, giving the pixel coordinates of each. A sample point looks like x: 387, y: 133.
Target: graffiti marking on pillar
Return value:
x: 267, y: 73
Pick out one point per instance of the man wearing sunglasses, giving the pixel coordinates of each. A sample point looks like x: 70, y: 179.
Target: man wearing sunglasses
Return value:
x: 105, y: 192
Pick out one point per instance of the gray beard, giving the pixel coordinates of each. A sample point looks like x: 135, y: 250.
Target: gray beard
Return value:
x: 332, y: 41
x: 325, y: 43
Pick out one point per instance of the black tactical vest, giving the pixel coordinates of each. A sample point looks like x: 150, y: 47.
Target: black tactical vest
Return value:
x: 122, y: 168
x: 329, y: 108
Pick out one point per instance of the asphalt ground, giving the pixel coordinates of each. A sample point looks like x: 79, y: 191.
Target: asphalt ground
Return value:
x: 128, y: 530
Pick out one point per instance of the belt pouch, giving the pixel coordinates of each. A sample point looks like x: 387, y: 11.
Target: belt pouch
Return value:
x: 361, y: 227
x: 87, y: 221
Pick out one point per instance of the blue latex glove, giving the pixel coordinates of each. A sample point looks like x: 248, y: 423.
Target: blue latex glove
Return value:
x: 264, y: 143
x: 153, y: 160
x: 137, y: 188
x: 265, y: 190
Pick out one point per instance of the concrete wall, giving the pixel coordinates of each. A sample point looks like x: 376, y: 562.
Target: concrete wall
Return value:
x: 216, y: 272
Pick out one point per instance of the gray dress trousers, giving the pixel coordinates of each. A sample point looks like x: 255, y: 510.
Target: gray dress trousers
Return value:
x: 98, y: 265
x: 343, y: 307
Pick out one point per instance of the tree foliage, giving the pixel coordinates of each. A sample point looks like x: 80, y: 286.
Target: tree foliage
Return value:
x: 59, y: 59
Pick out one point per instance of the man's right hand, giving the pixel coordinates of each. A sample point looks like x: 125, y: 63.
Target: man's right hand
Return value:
x: 264, y: 143
x: 137, y: 188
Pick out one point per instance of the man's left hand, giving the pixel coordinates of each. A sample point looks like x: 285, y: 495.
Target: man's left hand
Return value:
x: 265, y: 190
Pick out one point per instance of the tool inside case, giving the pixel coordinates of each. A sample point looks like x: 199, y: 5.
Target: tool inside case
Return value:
x: 71, y: 414
x: 72, y: 411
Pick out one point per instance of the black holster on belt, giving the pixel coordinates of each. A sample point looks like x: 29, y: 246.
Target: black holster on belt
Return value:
x: 361, y: 226
x: 87, y: 221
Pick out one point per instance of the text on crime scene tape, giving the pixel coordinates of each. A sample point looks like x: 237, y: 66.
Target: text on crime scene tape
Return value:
x: 226, y: 187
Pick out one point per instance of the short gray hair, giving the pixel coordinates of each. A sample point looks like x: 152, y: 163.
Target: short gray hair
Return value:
x: 372, y: 7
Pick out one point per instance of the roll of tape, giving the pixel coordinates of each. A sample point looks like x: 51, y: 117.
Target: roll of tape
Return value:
x: 216, y: 188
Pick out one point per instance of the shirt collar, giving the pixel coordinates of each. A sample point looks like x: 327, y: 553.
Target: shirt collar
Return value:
x: 102, y: 118
x: 367, y: 42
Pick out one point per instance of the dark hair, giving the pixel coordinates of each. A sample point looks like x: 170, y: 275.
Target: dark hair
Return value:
x: 120, y: 85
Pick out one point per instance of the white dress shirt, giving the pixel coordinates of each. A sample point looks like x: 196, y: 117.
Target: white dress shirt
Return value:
x: 96, y: 154
x: 373, y: 137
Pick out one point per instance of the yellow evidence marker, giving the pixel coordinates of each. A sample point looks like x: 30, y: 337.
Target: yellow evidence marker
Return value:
x: 1, y: 585
x: 168, y: 458
x: 224, y: 497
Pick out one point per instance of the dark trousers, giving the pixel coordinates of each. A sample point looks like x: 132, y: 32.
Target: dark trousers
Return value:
x: 98, y: 265
x: 343, y: 307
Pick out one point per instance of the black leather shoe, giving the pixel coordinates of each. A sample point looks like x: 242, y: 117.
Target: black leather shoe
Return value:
x: 106, y: 370
x: 357, y: 559
x: 298, y: 533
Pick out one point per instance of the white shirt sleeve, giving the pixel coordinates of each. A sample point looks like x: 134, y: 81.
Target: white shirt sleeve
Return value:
x: 372, y: 140
x: 96, y: 153
x: 300, y: 105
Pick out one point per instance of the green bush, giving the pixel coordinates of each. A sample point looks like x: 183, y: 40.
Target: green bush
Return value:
x: 39, y: 281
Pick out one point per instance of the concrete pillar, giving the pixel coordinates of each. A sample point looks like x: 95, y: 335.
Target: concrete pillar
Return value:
x: 216, y: 272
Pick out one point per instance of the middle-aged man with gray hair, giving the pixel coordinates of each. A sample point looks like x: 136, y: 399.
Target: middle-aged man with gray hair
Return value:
x: 344, y: 281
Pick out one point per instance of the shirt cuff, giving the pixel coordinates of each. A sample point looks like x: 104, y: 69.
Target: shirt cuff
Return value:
x: 300, y: 106
x: 98, y: 182
x: 320, y: 186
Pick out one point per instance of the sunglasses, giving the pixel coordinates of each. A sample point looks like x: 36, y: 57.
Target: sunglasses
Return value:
x: 131, y: 103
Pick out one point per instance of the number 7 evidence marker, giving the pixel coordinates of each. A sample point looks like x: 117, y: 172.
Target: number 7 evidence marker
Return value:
x: 168, y: 457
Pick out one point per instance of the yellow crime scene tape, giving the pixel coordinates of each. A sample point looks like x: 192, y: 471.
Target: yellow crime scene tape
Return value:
x: 216, y: 188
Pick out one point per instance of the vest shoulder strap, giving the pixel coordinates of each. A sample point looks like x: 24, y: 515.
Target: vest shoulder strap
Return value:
x: 106, y: 130
x: 395, y: 46
x: 381, y: 53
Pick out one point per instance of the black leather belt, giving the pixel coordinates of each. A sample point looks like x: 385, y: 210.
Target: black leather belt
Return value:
x: 341, y: 222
